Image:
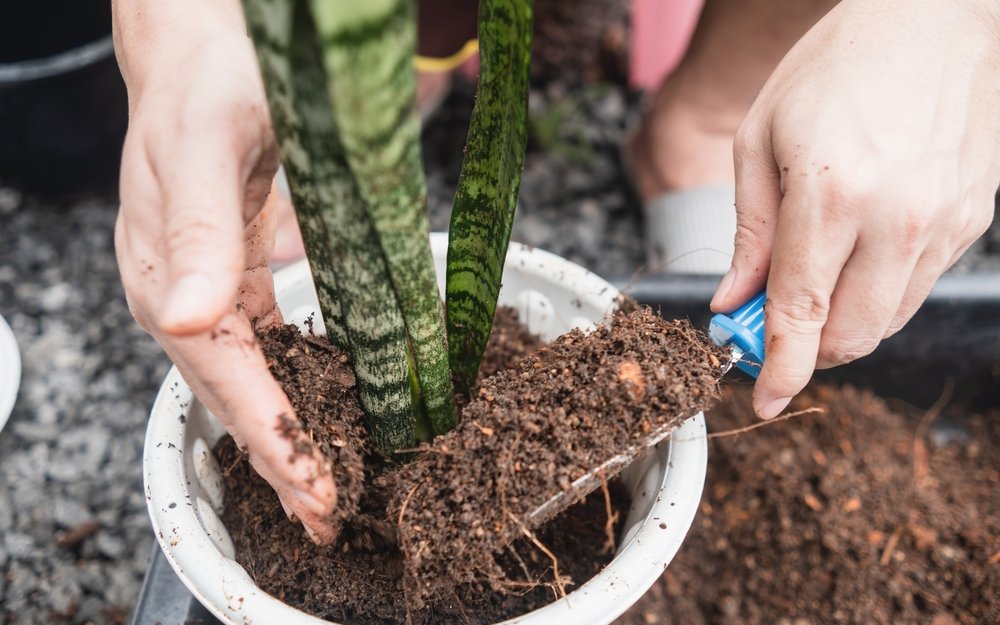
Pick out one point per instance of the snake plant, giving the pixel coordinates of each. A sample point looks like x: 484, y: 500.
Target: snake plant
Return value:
x: 341, y: 88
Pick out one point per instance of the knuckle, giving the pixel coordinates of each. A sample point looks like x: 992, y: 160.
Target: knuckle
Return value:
x: 842, y: 350
x: 843, y: 196
x: 981, y: 219
x: 742, y: 144
x: 189, y: 235
x: 136, y: 310
x: 750, y: 232
x: 806, y: 309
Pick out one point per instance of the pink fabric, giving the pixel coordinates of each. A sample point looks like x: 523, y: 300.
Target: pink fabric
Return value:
x: 661, y: 30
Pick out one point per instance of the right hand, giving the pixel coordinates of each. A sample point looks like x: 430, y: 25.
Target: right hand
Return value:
x: 195, y: 230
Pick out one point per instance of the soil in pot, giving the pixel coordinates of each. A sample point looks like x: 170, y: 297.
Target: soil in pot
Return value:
x: 459, y: 552
x: 866, y: 514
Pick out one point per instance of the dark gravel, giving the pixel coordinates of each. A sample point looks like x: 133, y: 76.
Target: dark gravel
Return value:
x: 70, y: 456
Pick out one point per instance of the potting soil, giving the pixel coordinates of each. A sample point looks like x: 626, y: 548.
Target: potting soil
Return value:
x: 528, y: 432
x: 865, y: 514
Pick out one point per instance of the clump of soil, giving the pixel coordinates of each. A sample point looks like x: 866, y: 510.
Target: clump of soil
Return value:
x: 531, y: 432
x: 860, y: 515
x: 319, y: 382
x: 348, y: 584
x: 442, y: 555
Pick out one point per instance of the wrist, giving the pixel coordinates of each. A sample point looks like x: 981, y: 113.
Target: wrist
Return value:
x: 151, y: 36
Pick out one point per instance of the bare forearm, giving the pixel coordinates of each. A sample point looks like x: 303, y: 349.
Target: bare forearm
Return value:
x: 152, y: 34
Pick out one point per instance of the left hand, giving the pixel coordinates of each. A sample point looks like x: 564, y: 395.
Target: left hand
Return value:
x: 865, y: 168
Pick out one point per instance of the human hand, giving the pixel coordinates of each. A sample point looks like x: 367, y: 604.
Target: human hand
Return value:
x: 195, y: 232
x: 865, y: 168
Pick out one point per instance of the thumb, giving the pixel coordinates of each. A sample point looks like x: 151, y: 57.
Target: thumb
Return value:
x: 203, y: 232
x: 758, y: 198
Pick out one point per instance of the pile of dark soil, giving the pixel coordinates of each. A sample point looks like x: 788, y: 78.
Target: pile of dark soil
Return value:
x: 580, y: 41
x: 531, y: 430
x: 860, y: 515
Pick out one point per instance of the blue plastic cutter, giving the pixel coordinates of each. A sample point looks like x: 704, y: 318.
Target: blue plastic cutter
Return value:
x: 743, y: 330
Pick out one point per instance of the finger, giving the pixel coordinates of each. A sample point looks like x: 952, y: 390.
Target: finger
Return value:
x: 928, y: 269
x: 935, y: 260
x: 758, y: 197
x: 226, y: 369
x: 808, y: 255
x: 865, y: 301
x: 203, y: 193
x: 317, y: 528
x: 256, y: 294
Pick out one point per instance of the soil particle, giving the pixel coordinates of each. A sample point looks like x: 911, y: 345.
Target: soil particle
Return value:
x: 533, y: 430
x: 509, y: 341
x: 842, y: 518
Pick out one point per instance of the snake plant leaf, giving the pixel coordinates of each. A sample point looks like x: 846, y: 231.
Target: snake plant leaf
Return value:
x: 341, y: 241
x: 486, y: 198
x: 368, y: 49
x: 270, y: 25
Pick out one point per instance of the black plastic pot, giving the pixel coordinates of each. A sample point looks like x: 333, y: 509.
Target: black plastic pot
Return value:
x: 63, y: 105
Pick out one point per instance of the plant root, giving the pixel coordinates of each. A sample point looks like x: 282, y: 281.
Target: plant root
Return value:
x: 787, y: 415
x: 611, y: 517
x: 559, y: 581
x: 921, y: 466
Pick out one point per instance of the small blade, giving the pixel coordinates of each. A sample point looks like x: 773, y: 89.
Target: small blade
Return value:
x: 737, y: 355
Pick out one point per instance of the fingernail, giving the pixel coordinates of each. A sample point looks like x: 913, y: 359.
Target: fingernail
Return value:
x: 288, y: 511
x: 185, y: 300
x: 310, y: 501
x: 310, y: 533
x: 723, y: 289
x: 774, y: 407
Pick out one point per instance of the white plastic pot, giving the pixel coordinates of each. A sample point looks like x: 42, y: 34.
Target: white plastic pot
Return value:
x: 184, y: 485
x: 10, y: 371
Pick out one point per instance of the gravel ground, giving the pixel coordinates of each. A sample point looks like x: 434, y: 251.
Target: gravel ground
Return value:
x: 74, y: 536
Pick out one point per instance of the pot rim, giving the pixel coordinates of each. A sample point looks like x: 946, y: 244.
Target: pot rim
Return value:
x: 10, y: 371
x: 64, y: 62
x: 671, y: 479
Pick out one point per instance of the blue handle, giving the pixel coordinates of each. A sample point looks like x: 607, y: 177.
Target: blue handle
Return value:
x: 744, y: 329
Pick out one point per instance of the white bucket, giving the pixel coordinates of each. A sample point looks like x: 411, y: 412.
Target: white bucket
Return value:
x: 10, y: 371
x: 552, y: 295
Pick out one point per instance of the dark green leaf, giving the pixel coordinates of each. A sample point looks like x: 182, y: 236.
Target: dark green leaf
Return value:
x: 487, y: 189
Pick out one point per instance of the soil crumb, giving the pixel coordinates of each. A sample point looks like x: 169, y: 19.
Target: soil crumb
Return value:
x: 534, y: 429
x: 843, y: 518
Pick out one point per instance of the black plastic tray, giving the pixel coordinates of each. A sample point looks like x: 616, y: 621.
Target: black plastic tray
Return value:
x: 955, y: 335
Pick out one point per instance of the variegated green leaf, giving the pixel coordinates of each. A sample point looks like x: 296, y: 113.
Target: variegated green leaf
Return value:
x: 368, y: 52
x: 342, y: 244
